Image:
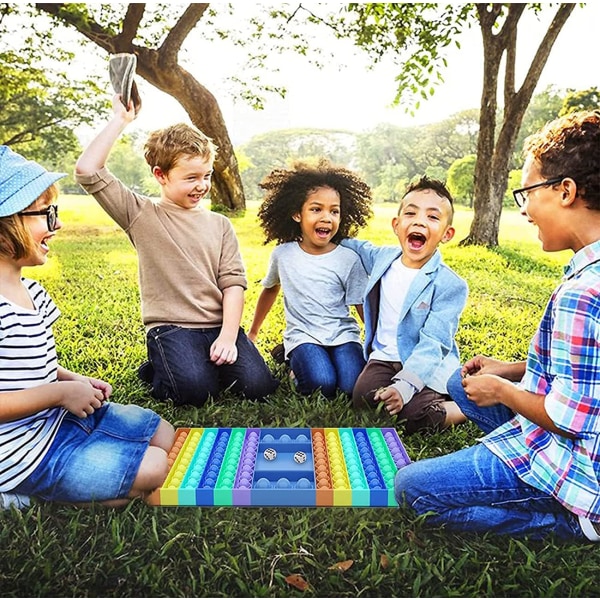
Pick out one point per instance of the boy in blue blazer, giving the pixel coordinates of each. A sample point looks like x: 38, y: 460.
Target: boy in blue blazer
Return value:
x: 412, y: 307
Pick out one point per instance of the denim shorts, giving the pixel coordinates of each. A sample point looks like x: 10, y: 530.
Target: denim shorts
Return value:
x: 94, y: 458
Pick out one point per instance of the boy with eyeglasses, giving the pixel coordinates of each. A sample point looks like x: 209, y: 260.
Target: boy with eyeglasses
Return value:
x: 537, y: 471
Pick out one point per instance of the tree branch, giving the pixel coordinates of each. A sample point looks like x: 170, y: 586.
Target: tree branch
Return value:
x: 131, y: 24
x: 170, y: 48
x: 83, y: 23
x: 509, y: 43
x: 543, y: 52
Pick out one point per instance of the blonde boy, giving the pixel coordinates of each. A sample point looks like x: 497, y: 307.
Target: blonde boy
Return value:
x: 192, y: 278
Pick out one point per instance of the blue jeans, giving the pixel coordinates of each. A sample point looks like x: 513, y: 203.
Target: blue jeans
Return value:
x: 94, y: 458
x: 183, y: 371
x: 327, y: 368
x: 487, y: 418
x: 472, y: 490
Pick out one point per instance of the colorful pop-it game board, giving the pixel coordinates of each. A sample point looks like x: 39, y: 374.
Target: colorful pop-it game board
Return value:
x: 282, y: 467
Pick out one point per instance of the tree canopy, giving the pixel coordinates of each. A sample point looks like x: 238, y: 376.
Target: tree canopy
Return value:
x: 418, y: 33
x: 42, y: 107
x: 156, y: 35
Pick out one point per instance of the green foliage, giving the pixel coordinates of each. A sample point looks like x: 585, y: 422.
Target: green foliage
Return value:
x: 386, y: 156
x: 461, y: 179
x: 41, y: 106
x: 580, y: 100
x: 277, y: 149
x: 544, y: 107
x: 514, y: 182
x: 414, y: 34
x: 386, y: 145
x: 127, y: 162
x: 62, y: 551
x: 393, y: 181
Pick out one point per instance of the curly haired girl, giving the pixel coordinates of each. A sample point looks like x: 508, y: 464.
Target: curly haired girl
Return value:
x: 308, y: 209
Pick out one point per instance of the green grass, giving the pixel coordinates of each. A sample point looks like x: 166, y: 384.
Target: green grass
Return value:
x: 54, y: 550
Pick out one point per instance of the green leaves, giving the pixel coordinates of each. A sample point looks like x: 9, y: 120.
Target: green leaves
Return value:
x: 413, y: 35
x: 41, y: 107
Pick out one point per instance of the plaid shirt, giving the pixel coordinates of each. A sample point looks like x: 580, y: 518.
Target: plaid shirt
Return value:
x: 563, y: 364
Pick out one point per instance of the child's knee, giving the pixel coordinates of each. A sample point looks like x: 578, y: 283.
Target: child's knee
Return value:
x: 407, y: 484
x: 152, y: 473
x: 164, y: 437
x: 194, y: 392
x: 327, y: 387
x: 454, y: 385
x: 260, y: 388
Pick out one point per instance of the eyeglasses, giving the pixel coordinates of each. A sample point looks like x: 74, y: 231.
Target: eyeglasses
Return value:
x: 51, y: 215
x: 522, y: 194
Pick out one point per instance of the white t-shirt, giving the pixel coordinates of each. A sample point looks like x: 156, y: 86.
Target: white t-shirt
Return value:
x: 393, y: 290
x: 317, y: 293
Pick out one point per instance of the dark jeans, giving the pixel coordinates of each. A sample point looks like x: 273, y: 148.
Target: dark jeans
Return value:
x: 425, y: 409
x: 327, y: 368
x: 183, y: 371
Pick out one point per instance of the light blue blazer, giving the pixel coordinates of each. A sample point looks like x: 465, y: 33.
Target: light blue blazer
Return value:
x: 428, y: 319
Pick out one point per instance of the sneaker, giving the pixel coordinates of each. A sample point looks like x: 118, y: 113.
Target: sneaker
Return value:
x: 591, y: 529
x: 18, y: 501
x: 278, y: 354
x: 146, y: 372
x: 121, y: 70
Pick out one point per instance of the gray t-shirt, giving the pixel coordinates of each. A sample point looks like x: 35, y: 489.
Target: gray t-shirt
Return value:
x: 317, y: 293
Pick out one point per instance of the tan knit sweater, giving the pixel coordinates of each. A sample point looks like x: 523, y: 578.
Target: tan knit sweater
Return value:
x: 187, y: 257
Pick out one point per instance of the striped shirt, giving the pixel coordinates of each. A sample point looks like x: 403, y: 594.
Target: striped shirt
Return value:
x: 563, y: 364
x: 27, y: 359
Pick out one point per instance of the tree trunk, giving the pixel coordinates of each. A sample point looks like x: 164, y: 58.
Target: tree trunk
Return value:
x: 204, y: 112
x: 160, y: 68
x: 494, y: 152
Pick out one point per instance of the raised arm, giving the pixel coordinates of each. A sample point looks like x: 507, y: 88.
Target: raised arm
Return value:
x: 94, y: 157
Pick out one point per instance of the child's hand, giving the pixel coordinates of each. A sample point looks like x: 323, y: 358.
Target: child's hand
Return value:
x: 391, y: 398
x: 223, y: 351
x: 80, y: 397
x: 484, y: 365
x: 481, y: 365
x: 483, y: 390
x: 119, y: 110
x: 103, y: 386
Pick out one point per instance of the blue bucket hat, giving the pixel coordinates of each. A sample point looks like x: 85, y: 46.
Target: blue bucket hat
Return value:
x: 21, y: 181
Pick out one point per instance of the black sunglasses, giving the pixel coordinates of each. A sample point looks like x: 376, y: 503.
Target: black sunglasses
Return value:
x: 51, y: 215
x: 521, y: 194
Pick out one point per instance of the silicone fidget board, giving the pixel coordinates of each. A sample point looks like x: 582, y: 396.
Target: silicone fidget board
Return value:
x: 282, y: 467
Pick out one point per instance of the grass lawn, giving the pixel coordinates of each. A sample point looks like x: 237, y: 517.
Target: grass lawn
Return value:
x: 53, y: 550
